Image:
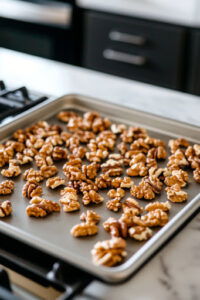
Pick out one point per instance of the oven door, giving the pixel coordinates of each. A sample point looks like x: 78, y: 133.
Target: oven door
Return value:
x: 41, y: 28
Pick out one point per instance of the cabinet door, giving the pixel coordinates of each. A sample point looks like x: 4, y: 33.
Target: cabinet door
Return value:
x: 193, y: 74
x: 135, y: 49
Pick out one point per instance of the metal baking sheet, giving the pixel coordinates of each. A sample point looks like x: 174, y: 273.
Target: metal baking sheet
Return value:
x: 52, y: 234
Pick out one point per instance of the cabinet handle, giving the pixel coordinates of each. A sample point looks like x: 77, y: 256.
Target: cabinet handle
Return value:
x: 132, y: 59
x: 127, y: 38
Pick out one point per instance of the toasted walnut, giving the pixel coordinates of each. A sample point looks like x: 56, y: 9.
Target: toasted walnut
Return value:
x: 91, y: 197
x: 140, y: 145
x: 79, y: 152
x: 96, y: 156
x: 74, y: 124
x: 4, y: 158
x: 6, y: 187
x: 165, y: 206
x: 90, y: 217
x: 84, y: 229
x: 114, y: 204
x: 130, y: 219
x: 178, y: 158
x: 55, y: 182
x: 48, y: 171
x: 19, y: 135
x: 65, y: 116
x: 84, y: 136
x: 115, y: 228
x: 12, y: 171
x: 46, y: 149
x: 13, y: 145
x: 23, y: 159
x: 118, y: 128
x: 137, y: 158
x: 179, y: 177
x: 91, y: 170
x: 31, y: 189
x: 76, y: 162
x: 59, y: 153
x: 193, y: 156
x: 32, y: 175
x: 156, y: 153
x: 175, y: 194
x: 132, y: 205
x: 100, y: 124
x: 5, y: 209
x: 75, y: 184
x: 138, y: 169
x: 103, y: 181
x: 140, y: 233
x: 34, y: 142
x: 156, y: 217
x: 116, y: 182
x: 112, y: 167
x: 73, y: 173
x: 196, y: 175
x: 55, y: 140
x: 65, y: 135
x: 118, y: 193
x: 30, y: 152
x: 40, y: 207
x: 174, y: 145
x: 122, y: 147
x: 109, y: 253
x: 69, y: 200
x: 152, y: 142
x: 88, y: 186
x: 42, y: 160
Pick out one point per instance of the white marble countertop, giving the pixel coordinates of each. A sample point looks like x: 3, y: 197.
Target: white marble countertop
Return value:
x: 184, y: 12
x: 174, y: 272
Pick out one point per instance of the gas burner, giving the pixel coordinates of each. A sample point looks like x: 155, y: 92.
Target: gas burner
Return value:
x: 15, y: 101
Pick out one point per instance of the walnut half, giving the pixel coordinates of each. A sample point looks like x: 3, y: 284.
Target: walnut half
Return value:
x: 5, y: 209
x: 6, y: 187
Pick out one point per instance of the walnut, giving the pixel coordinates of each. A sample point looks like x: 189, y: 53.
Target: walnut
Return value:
x: 6, y: 187
x: 154, y: 218
x: 175, y: 194
x: 42, y: 160
x: 59, y: 153
x: 65, y: 116
x: 103, y: 181
x: 193, y: 156
x: 74, y: 124
x: 16, y: 146
x: 91, y: 170
x: 54, y: 182
x: 140, y: 145
x: 72, y: 142
x: 31, y: 189
x: 46, y: 149
x: 130, y: 219
x: 79, y: 152
x: 90, y: 217
x: 32, y: 175
x: 116, y: 182
x: 9, y: 151
x: 65, y: 135
x: 88, y: 186
x: 76, y: 162
x: 140, y: 233
x: 100, y: 124
x: 109, y: 253
x: 138, y: 169
x: 75, y: 184
x: 34, y: 142
x: 114, y: 204
x: 23, y: 159
x: 118, y: 193
x: 55, y: 140
x: 96, y: 156
x: 73, y: 173
x: 19, y: 135
x: 40, y: 207
x: 178, y: 158
x: 48, y: 171
x: 137, y: 158
x: 132, y: 133
x: 179, y: 177
x: 30, y: 152
x: 92, y: 197
x: 69, y: 200
x: 165, y: 206
x: 84, y: 136
x: 152, y: 142
x: 118, y: 128
x: 84, y: 229
x: 132, y: 205
x: 112, y: 167
x: 196, y: 175
x: 179, y: 143
x: 12, y: 171
x: 5, y: 209
x: 4, y: 158
x: 115, y: 228
x: 122, y: 147
x: 156, y: 153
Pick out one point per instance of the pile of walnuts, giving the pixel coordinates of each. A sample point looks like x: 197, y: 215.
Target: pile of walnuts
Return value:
x: 98, y: 155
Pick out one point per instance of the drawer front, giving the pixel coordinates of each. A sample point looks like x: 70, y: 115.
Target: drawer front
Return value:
x: 135, y: 49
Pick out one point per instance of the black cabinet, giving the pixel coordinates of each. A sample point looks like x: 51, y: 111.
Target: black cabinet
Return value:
x: 193, y: 73
x: 142, y: 50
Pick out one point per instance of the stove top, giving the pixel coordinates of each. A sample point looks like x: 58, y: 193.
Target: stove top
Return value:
x: 15, y: 101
